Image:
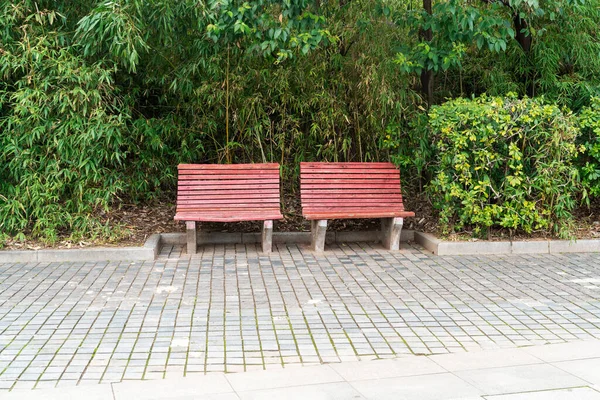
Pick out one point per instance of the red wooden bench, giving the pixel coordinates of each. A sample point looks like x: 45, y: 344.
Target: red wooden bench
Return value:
x: 352, y: 190
x: 228, y: 193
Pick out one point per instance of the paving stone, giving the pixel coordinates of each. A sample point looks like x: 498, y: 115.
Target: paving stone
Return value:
x: 96, y: 392
x: 484, y: 359
x: 520, y: 378
x: 426, y: 387
x: 251, y: 381
x: 566, y: 351
x: 329, y: 391
x: 587, y: 369
x: 230, y: 307
x: 353, y: 371
x: 560, y: 394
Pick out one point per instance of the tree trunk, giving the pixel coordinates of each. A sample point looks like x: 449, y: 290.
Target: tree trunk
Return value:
x: 427, y: 75
x: 524, y: 41
x: 427, y: 85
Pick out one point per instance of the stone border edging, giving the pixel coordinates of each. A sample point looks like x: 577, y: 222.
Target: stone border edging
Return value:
x: 280, y: 237
x: 147, y: 252
x: 446, y: 248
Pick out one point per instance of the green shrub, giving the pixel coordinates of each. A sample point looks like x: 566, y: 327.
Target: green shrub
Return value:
x: 589, y: 123
x: 503, y: 162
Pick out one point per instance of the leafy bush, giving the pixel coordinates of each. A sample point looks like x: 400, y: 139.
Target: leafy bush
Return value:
x: 589, y: 123
x: 503, y: 162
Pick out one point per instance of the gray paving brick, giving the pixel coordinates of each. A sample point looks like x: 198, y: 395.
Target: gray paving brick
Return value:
x: 229, y: 308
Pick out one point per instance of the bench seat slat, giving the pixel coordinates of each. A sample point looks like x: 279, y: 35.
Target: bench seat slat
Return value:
x: 357, y: 182
x: 204, y: 197
x: 212, y: 190
x: 219, y: 216
x: 259, y: 203
x: 186, y: 196
x: 225, y: 186
x: 345, y: 191
x: 352, y: 203
x: 350, y: 186
x: 330, y: 173
x: 227, y: 179
x: 316, y: 197
x: 227, y: 183
x: 355, y: 214
x: 227, y: 174
x: 347, y: 165
x: 221, y: 207
x: 260, y: 166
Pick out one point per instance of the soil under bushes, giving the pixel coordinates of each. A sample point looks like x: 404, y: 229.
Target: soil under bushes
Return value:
x: 140, y: 221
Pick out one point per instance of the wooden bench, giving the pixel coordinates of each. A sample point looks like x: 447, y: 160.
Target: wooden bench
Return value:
x: 352, y: 190
x: 228, y: 193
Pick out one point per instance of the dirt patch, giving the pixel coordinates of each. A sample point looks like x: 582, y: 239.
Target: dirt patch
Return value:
x: 136, y: 222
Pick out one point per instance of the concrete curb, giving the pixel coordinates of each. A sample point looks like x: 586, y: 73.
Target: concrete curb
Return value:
x: 445, y: 248
x: 148, y: 252
x: 281, y: 237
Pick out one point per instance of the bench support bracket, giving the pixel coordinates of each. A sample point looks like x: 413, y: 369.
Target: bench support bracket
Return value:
x: 318, y: 229
x: 191, y: 236
x: 267, y: 236
x: 391, y: 228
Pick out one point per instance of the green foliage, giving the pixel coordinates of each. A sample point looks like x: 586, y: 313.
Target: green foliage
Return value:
x: 589, y: 122
x: 61, y: 135
x: 563, y: 64
x: 113, y: 30
x: 411, y: 148
x: 69, y: 146
x: 565, y: 59
x: 273, y: 28
x: 503, y: 162
x: 99, y: 103
x: 533, y: 48
x: 454, y: 25
x: 3, y: 239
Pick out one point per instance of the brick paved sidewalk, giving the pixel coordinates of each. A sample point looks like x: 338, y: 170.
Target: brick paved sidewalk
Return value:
x: 232, y: 309
x: 564, y: 371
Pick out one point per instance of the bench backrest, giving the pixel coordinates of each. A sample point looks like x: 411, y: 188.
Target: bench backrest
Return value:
x: 349, y: 189
x: 225, y: 192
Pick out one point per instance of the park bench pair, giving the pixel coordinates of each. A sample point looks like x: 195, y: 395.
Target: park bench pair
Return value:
x: 250, y: 192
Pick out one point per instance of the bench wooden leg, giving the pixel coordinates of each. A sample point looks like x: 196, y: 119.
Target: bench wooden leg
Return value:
x: 318, y: 230
x: 267, y: 237
x: 191, y: 236
x: 391, y: 228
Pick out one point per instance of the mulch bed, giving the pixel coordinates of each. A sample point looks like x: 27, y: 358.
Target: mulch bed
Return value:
x: 141, y: 220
